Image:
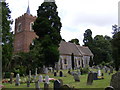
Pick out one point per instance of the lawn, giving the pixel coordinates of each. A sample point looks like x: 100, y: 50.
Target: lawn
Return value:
x: 68, y: 79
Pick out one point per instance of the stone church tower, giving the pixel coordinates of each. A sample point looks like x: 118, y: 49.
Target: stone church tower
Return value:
x: 24, y: 34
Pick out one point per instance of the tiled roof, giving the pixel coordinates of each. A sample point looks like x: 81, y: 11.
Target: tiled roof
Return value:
x: 67, y: 48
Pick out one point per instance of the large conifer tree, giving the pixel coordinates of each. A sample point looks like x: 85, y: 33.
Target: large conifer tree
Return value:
x: 7, y: 36
x: 47, y: 26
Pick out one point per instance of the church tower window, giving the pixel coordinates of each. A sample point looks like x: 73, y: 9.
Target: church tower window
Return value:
x: 31, y: 24
x: 19, y: 27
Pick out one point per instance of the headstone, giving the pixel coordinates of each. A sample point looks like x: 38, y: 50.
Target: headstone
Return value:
x: 111, y: 69
x: 99, y: 72
x: 28, y: 83
x: 30, y: 74
x: 17, y: 83
x: 46, y: 86
x: 76, y: 77
x: 11, y: 77
x: 102, y: 75
x: 55, y: 74
x: 109, y: 88
x: 40, y: 78
x: 115, y: 81
x: 35, y: 71
x: 57, y: 84
x: 90, y: 78
x: 46, y: 70
x: 47, y: 79
x: 95, y: 76
x: 61, y: 82
x: 69, y: 72
x: 37, y: 86
x: 61, y: 74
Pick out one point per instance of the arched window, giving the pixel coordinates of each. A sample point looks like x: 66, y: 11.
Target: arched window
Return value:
x: 65, y: 61
x: 19, y: 27
x: 31, y: 24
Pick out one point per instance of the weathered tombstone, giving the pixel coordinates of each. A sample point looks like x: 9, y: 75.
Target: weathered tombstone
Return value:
x: 115, y: 81
x: 28, y: 83
x: 99, y: 72
x: 109, y: 88
x: 17, y: 83
x: 11, y: 77
x: 111, y: 69
x: 61, y: 74
x: 46, y: 86
x: 30, y: 74
x: 90, y: 78
x: 55, y: 74
x: 61, y: 82
x: 45, y: 70
x: 47, y: 79
x: 65, y: 87
x: 95, y: 76
x: 76, y: 77
x: 69, y: 72
x: 40, y: 78
x: 35, y: 71
x: 57, y: 84
x: 37, y: 86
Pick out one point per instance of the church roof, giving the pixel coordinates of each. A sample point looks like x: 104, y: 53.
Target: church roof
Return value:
x: 67, y: 48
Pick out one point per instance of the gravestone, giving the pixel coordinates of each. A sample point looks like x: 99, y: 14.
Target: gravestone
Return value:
x: 115, y: 81
x: 102, y: 75
x: 55, y: 74
x: 61, y: 74
x: 47, y: 79
x: 28, y: 83
x: 46, y: 86
x: 37, y: 86
x: 95, y: 76
x: 40, y: 78
x: 61, y: 82
x: 111, y: 69
x: 17, y: 83
x: 79, y: 73
x: 99, y: 72
x: 90, y: 78
x: 46, y: 70
x: 30, y: 74
x: 11, y: 77
x: 69, y: 72
x: 76, y: 77
x: 109, y: 88
x: 35, y: 71
x: 57, y: 84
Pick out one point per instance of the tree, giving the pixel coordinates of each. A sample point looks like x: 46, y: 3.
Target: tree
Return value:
x: 102, y: 50
x: 116, y: 48
x: 7, y: 37
x: 76, y: 41
x: 88, y: 40
x: 47, y: 26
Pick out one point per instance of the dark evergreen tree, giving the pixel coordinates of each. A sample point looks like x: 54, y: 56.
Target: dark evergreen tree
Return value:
x: 47, y: 27
x: 88, y: 40
x: 7, y: 37
x: 76, y: 41
x: 116, y: 47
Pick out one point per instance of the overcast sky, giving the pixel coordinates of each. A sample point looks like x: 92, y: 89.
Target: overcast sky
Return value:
x: 76, y: 15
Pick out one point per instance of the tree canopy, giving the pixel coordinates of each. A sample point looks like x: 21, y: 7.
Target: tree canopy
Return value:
x: 76, y: 41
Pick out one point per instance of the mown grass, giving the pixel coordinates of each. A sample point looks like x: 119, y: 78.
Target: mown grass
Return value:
x: 68, y: 79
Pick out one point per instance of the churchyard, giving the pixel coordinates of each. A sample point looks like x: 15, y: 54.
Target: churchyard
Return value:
x: 63, y: 78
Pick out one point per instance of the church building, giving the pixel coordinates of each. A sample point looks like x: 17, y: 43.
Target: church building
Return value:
x: 24, y: 35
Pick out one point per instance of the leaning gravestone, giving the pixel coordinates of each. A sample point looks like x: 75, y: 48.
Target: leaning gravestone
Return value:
x: 109, y: 88
x: 47, y: 79
x: 90, y: 78
x: 57, y: 84
x: 11, y: 77
x: 76, y: 77
x: 115, y: 81
x: 40, y: 78
x: 17, y: 83
x: 61, y: 74
x: 61, y: 82
x: 37, y: 86
x: 46, y: 86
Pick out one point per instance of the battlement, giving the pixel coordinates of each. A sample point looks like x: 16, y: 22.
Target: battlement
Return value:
x: 25, y: 15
